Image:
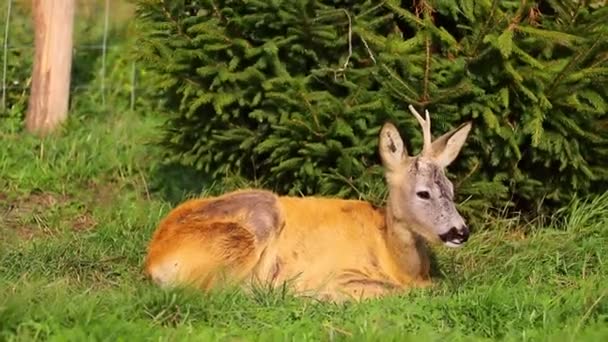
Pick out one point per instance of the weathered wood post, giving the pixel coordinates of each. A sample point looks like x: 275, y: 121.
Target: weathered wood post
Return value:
x: 50, y: 89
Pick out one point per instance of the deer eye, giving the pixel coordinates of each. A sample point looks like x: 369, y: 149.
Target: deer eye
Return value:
x: 423, y: 194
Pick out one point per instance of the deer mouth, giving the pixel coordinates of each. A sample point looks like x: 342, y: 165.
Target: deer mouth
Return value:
x: 454, y: 243
x: 455, y: 237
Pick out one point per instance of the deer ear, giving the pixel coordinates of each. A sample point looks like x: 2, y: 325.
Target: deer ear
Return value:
x: 447, y: 147
x: 392, y: 150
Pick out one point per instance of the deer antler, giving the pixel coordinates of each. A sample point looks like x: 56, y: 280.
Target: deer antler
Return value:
x: 426, y: 129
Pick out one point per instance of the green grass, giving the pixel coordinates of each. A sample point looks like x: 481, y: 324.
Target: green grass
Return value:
x: 77, y: 210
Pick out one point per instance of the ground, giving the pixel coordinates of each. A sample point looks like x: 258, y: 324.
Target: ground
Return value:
x: 77, y: 210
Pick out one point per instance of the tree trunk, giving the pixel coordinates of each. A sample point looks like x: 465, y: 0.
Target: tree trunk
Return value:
x: 50, y: 91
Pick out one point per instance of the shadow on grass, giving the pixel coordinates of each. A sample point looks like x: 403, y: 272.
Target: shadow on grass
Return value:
x: 174, y: 183
x: 436, y: 271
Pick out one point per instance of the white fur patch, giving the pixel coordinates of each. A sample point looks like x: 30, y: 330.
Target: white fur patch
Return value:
x: 454, y: 243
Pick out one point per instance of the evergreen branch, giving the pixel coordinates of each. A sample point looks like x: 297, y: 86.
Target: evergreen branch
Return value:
x: 517, y: 17
x: 350, y: 40
x: 192, y: 82
x: 476, y: 166
x: 342, y: 70
x: 410, y: 90
x: 569, y: 66
x: 462, y: 88
x: 175, y: 22
x: 404, y: 13
x: 311, y: 108
x: 427, y: 69
x: 574, y: 15
x: 561, y: 38
x: 217, y: 12
x: 348, y: 182
x: 371, y: 9
x: 369, y: 51
x: 484, y: 30
x: 427, y: 62
x: 603, y: 57
x: 303, y: 124
x: 407, y: 99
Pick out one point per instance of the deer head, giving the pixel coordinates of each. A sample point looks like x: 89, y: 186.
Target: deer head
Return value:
x: 421, y: 197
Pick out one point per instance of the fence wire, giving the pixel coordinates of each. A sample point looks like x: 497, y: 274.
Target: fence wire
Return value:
x: 7, y: 26
x: 105, y: 46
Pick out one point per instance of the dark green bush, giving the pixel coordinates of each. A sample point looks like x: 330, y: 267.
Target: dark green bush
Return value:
x: 293, y: 93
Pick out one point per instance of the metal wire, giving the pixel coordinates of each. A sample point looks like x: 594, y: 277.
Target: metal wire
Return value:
x: 104, y: 47
x: 103, y: 53
x: 5, y: 59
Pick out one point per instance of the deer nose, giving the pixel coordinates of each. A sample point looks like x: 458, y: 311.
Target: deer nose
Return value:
x: 456, y: 235
x: 463, y: 232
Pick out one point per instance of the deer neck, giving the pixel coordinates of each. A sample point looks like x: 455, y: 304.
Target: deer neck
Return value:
x: 407, y: 248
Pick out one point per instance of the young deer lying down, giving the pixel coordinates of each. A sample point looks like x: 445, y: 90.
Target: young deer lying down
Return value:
x: 327, y: 248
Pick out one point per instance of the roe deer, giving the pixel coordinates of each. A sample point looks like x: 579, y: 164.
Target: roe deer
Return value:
x: 330, y: 249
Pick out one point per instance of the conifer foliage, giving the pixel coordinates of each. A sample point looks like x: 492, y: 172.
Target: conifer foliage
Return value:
x: 293, y: 93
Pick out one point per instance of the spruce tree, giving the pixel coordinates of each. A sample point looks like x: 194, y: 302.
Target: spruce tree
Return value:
x: 293, y: 93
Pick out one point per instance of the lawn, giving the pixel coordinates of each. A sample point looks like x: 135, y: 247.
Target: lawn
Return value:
x: 76, y: 212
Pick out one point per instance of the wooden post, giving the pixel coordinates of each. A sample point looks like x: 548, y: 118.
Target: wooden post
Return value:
x: 50, y: 90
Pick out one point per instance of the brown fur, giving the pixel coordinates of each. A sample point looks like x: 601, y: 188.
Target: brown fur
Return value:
x: 336, y: 248
x: 326, y: 248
